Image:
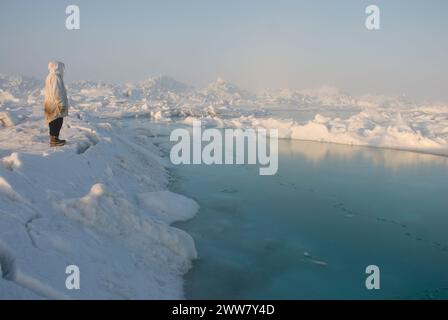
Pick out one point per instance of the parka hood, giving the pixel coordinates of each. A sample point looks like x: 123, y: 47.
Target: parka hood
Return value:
x: 56, y: 67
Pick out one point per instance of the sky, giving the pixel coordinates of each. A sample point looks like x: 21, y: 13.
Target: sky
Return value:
x: 256, y: 44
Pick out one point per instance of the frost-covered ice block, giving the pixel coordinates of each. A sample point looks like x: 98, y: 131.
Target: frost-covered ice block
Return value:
x: 168, y: 206
x: 5, y: 120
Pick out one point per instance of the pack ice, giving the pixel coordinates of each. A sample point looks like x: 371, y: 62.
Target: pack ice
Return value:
x: 102, y: 203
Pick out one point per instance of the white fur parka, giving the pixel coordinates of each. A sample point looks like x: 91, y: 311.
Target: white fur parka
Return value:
x: 56, y: 102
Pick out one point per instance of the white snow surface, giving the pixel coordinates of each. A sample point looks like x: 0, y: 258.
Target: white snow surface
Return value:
x: 415, y: 130
x: 101, y: 202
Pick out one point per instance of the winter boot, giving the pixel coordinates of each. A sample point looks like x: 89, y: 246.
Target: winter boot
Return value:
x: 60, y: 140
x: 55, y: 142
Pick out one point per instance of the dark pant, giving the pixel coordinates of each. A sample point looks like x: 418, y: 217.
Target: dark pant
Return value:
x: 55, y: 127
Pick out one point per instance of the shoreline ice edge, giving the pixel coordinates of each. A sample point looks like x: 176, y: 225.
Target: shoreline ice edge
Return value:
x: 94, y: 203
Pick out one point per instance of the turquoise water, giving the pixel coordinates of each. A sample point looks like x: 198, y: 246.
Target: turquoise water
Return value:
x: 310, y: 231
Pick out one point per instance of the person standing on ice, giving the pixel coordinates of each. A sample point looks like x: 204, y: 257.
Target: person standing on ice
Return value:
x: 56, y: 102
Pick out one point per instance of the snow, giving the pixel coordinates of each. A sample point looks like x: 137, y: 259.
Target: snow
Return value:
x: 416, y: 131
x: 5, y: 120
x: 101, y: 202
x: 12, y: 161
x: 420, y: 130
x: 168, y: 206
x: 82, y: 204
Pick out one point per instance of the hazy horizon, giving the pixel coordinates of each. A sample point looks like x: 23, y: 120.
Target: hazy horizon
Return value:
x: 256, y: 45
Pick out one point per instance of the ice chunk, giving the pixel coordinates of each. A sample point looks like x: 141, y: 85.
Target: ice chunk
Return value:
x: 12, y: 161
x: 9, y: 192
x: 113, y: 214
x: 168, y: 206
x: 6, y: 120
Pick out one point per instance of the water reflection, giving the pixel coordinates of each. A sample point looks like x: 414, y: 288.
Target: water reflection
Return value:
x: 316, y: 152
x: 310, y: 231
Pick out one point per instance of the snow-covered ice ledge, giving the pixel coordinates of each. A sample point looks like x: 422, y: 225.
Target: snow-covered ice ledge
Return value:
x: 101, y: 203
x: 416, y: 130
